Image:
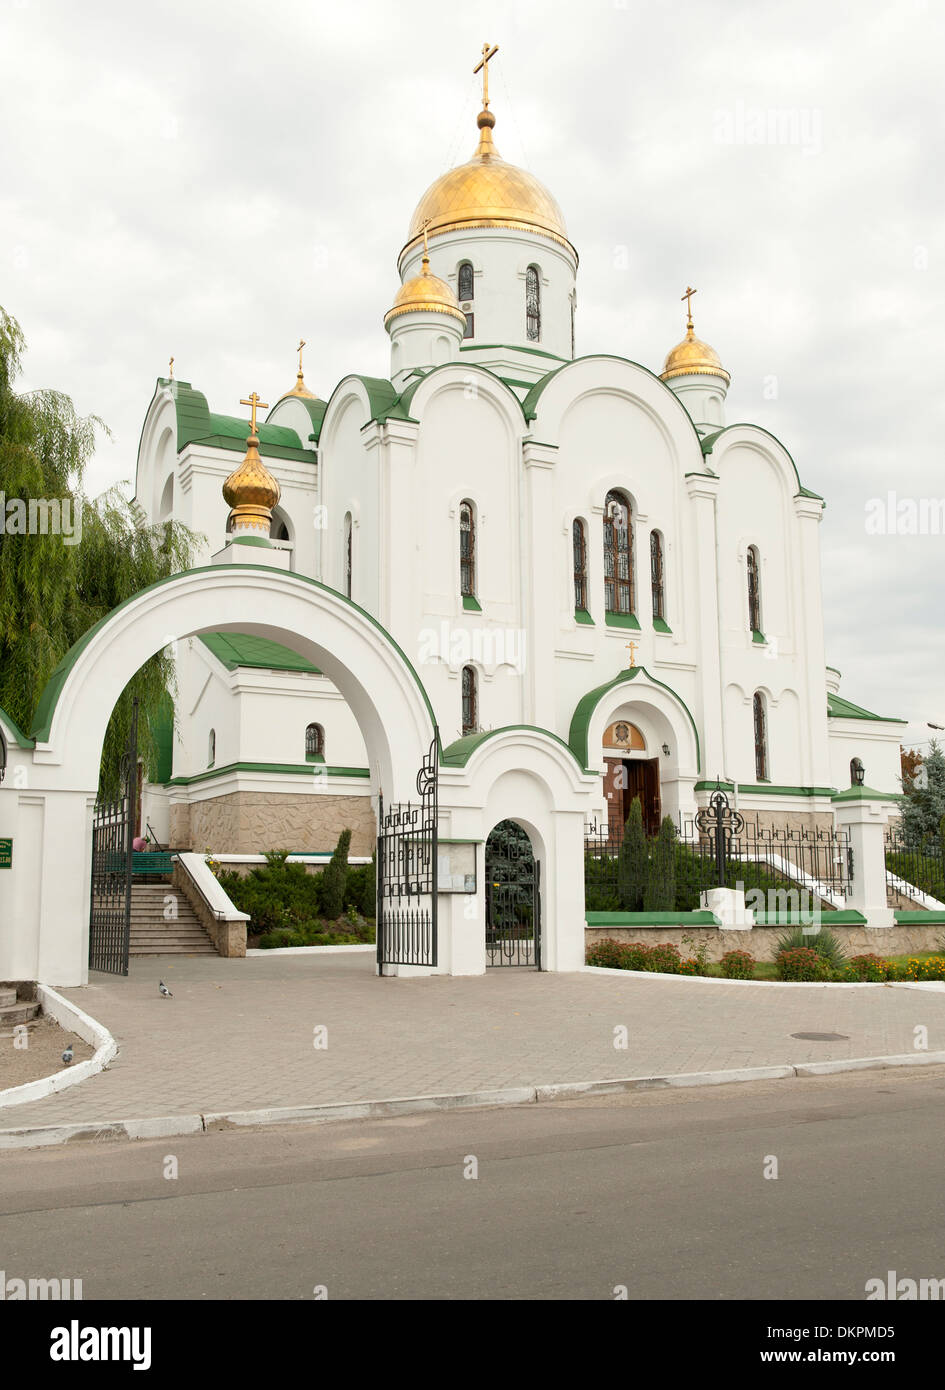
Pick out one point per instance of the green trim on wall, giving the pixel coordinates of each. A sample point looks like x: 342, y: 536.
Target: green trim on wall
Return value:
x: 471, y: 604
x: 458, y: 753
x: 46, y: 708
x: 764, y: 789
x: 280, y: 769
x: 708, y: 444
x: 13, y: 728
x: 509, y: 347
x: 235, y: 649
x: 262, y: 541
x: 585, y: 707
x: 627, y: 620
x: 699, y: 918
x: 757, y: 636
x: 865, y: 794
x: 843, y: 917
x: 912, y: 918
x: 581, y: 615
x: 661, y: 625
x: 197, y: 424
x: 316, y: 412
x: 405, y: 401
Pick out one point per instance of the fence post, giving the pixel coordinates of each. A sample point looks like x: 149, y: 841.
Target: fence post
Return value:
x: 860, y: 811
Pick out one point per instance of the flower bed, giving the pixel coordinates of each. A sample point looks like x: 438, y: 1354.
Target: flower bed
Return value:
x: 796, y: 964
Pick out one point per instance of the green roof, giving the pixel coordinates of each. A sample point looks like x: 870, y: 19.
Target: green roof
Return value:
x: 838, y: 708
x: 197, y: 424
x: 240, y: 649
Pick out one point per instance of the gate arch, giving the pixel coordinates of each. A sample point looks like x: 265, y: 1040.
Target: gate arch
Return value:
x: 370, y: 670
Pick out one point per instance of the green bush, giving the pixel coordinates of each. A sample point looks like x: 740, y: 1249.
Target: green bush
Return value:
x: 738, y: 965
x: 869, y: 967
x: 334, y: 877
x: 632, y: 861
x: 824, y: 943
x: 619, y: 955
x: 660, y: 894
x: 664, y: 958
x: 801, y: 963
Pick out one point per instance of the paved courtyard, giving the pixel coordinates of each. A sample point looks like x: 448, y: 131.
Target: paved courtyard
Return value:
x: 238, y: 1034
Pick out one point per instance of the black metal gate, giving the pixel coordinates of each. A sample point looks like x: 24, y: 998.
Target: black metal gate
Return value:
x: 513, y: 898
x: 406, y: 872
x: 113, y: 828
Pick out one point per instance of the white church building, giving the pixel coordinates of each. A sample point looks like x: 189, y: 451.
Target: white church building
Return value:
x: 574, y: 543
x: 566, y: 580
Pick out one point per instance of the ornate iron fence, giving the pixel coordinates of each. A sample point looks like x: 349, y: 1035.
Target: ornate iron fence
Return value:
x: 406, y: 872
x: 113, y: 828
x: 915, y: 868
x: 719, y: 847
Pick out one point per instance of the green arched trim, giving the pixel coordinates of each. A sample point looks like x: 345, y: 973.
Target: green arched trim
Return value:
x: 459, y: 752
x: 585, y: 707
x: 316, y: 411
x: 13, y: 728
x: 708, y: 444
x: 530, y: 403
x: 197, y: 424
x: 406, y: 399
x: 384, y: 402
x: 46, y: 709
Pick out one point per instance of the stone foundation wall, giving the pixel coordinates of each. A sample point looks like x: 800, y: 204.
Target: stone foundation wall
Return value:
x: 254, y: 822
x: 761, y: 941
x: 788, y: 820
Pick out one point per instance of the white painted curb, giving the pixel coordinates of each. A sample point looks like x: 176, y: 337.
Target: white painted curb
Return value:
x: 165, y: 1126
x: 308, y: 950
x: 70, y: 1017
x: 765, y: 984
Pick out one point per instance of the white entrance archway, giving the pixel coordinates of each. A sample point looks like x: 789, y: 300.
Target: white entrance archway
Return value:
x: 372, y: 673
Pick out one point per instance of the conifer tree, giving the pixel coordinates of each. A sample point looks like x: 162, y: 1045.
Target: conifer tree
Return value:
x: 632, y: 861
x: 660, y: 895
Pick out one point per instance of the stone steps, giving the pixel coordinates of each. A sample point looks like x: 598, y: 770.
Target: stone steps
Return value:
x: 153, y: 934
x: 7, y: 996
x: 13, y: 1010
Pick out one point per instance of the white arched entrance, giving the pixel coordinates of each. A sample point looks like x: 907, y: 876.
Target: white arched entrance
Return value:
x: 368, y: 668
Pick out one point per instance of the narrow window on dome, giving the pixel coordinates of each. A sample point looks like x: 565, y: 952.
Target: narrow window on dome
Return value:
x: 212, y: 748
x: 532, y: 304
x: 618, y: 554
x: 579, y: 539
x: 754, y: 589
x: 572, y: 325
x: 656, y: 575
x: 465, y: 281
x: 761, y: 737
x: 467, y: 550
x: 470, y: 702
x: 347, y: 554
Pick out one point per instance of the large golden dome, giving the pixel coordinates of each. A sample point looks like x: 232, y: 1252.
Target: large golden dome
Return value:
x: 425, y: 293
x: 487, y: 192
x: 693, y: 357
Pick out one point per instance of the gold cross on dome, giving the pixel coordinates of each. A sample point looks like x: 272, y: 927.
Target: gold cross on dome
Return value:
x: 633, y: 653
x: 424, y: 225
x: 171, y: 368
x: 483, y: 66
x: 688, y: 298
x: 299, y: 351
x: 255, y: 402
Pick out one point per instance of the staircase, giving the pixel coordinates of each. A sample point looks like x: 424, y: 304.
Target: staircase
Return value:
x: 12, y: 1010
x: 153, y: 935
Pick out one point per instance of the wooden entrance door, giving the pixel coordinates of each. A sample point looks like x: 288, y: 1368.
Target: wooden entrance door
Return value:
x: 626, y: 778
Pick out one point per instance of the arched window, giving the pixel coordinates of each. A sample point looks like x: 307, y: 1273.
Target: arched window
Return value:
x: 347, y: 555
x: 532, y: 304
x: 466, y: 289
x: 579, y: 540
x: 754, y: 589
x: 761, y: 737
x: 656, y: 576
x: 470, y: 701
x: 467, y: 550
x: 212, y: 748
x: 3, y: 756
x: 314, y: 743
x: 619, y: 594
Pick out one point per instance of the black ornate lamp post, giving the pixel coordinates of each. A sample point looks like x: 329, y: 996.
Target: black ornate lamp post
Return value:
x: 720, y: 823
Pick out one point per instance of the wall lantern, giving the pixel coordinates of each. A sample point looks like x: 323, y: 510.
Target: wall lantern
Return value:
x: 857, y: 773
x: 665, y: 750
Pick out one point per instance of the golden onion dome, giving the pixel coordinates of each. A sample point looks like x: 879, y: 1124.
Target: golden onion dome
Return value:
x: 425, y: 293
x: 251, y: 491
x: 693, y: 357
x: 300, y: 390
x: 488, y: 192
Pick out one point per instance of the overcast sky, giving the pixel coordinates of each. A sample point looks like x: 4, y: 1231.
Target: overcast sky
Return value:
x: 216, y: 179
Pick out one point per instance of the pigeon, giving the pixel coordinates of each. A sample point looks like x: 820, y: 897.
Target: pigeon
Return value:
x: 164, y: 990
x: 67, y: 1055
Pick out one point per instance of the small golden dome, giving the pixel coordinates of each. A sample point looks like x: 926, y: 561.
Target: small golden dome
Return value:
x: 301, y: 390
x: 487, y: 192
x: 251, y: 492
x: 692, y: 357
x: 425, y: 293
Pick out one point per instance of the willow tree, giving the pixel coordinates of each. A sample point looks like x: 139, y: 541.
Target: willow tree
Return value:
x: 67, y: 561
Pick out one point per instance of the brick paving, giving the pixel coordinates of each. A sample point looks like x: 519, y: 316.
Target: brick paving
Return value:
x: 238, y: 1034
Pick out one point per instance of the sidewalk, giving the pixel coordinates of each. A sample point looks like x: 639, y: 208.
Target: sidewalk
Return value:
x: 238, y: 1034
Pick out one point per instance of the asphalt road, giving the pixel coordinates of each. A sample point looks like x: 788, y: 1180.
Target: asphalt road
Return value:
x: 664, y: 1193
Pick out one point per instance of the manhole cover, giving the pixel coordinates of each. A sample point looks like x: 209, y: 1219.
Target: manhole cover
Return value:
x: 822, y: 1037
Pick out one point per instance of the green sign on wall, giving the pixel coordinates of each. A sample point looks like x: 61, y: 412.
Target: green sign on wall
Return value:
x: 6, y: 854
